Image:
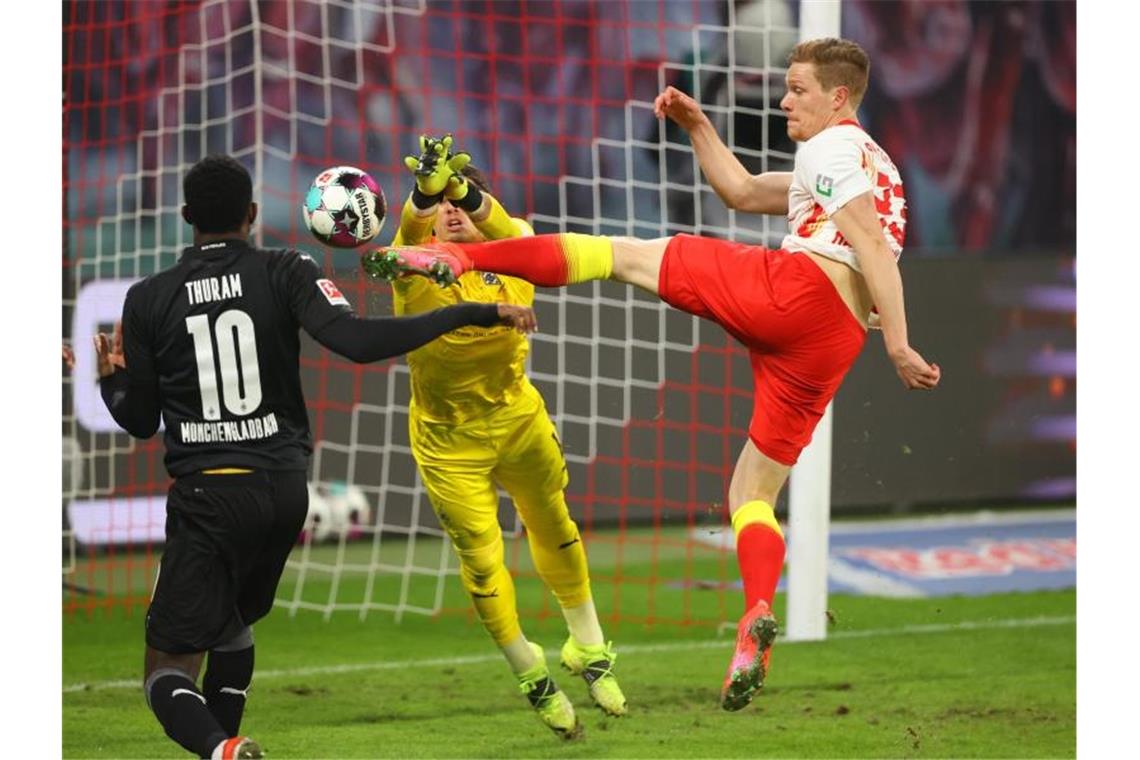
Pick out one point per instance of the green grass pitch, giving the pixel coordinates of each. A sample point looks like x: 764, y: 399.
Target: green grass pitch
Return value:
x: 987, y: 676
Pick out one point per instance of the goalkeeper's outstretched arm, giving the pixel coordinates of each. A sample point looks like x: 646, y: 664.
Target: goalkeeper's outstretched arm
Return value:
x: 433, y: 170
x: 419, y: 213
x: 416, y: 222
x: 440, y: 174
x: 489, y: 217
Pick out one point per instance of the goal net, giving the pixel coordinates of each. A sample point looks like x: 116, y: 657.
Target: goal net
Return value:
x: 554, y: 102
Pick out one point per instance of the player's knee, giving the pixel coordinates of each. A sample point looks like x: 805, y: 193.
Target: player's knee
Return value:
x: 547, y: 518
x: 256, y: 606
x: 480, y: 565
x: 174, y: 665
x: 243, y: 640
x: 757, y: 477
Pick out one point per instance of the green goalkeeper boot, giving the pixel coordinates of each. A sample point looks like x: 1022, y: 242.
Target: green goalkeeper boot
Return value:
x: 442, y: 263
x: 548, y: 700
x: 595, y: 664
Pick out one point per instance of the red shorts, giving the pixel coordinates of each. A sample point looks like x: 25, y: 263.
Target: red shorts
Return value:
x: 800, y: 335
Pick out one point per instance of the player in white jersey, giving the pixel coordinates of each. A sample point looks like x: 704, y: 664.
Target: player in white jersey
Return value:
x: 837, y: 165
x: 802, y: 310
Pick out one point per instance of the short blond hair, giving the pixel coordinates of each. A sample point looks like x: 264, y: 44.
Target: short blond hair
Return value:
x: 837, y: 62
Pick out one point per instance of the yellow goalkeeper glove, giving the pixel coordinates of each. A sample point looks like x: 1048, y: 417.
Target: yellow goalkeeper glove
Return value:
x: 462, y: 193
x: 434, y: 167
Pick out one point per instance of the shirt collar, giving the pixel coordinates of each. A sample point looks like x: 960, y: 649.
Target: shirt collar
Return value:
x: 216, y: 246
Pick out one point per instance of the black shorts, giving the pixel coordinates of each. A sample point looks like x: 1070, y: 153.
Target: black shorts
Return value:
x: 227, y: 539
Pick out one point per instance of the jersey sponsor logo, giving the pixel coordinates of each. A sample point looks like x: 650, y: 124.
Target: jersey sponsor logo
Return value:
x: 824, y: 185
x: 490, y: 278
x: 332, y: 293
x: 240, y: 430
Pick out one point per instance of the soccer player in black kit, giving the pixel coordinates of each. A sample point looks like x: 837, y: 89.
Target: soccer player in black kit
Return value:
x: 212, y: 344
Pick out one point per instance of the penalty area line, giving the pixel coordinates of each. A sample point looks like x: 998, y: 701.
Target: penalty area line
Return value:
x: 669, y: 646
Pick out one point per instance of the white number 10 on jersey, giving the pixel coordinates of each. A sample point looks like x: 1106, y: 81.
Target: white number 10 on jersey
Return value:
x: 237, y: 362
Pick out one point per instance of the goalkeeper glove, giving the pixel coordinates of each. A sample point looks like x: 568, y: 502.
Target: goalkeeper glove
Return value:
x: 434, y: 167
x: 463, y: 194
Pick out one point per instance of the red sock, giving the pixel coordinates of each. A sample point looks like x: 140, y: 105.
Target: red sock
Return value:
x: 760, y: 553
x: 539, y: 258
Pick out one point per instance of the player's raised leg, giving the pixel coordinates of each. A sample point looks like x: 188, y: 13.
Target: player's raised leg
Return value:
x: 545, y: 260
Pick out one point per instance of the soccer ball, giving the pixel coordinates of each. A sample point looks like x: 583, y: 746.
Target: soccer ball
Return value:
x: 350, y: 512
x: 318, y: 525
x: 344, y: 207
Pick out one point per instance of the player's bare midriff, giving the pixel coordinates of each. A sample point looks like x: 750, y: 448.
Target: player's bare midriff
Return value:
x: 850, y: 284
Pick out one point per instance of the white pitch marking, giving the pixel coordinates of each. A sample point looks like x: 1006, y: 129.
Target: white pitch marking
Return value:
x: 669, y: 646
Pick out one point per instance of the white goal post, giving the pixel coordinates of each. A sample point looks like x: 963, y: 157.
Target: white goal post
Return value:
x: 809, y: 496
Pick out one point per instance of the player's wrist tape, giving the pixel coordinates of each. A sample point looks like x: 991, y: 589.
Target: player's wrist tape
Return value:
x: 472, y: 201
x: 423, y: 201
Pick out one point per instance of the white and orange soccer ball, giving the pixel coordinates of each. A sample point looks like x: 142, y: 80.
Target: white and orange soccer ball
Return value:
x: 344, y: 207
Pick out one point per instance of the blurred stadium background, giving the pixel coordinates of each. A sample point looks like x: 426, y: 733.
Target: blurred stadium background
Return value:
x: 976, y: 102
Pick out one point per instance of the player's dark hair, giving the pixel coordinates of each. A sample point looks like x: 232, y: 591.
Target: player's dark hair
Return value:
x: 218, y: 191
x: 476, y: 178
x: 837, y: 62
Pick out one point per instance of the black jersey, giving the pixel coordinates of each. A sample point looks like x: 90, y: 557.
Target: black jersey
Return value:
x: 216, y: 336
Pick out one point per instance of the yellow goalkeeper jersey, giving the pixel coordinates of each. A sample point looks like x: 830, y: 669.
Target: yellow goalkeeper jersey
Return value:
x: 466, y: 373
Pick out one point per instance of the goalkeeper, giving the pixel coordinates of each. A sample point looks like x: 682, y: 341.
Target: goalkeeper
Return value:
x: 477, y: 422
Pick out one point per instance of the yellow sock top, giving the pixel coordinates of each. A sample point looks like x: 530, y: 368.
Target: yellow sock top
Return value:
x: 588, y: 257
x: 755, y: 512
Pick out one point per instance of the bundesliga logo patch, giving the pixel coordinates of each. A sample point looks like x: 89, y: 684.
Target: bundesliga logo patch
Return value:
x: 823, y: 185
x: 332, y: 293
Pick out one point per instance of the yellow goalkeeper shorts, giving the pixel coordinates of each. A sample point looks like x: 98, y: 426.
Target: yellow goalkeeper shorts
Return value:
x: 515, y: 446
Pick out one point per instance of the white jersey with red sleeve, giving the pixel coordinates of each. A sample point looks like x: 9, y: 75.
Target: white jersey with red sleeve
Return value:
x: 838, y: 164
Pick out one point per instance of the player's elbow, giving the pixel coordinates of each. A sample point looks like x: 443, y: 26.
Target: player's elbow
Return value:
x: 761, y: 194
x: 343, y: 337
x: 357, y: 355
x: 146, y: 431
x: 142, y: 427
x: 731, y: 196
